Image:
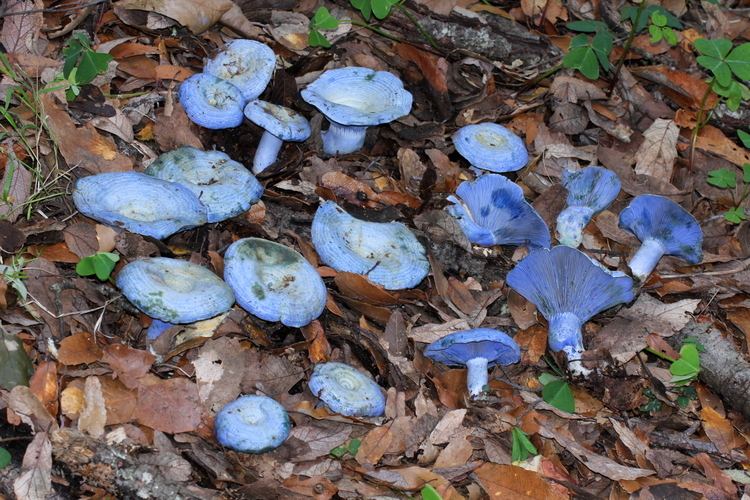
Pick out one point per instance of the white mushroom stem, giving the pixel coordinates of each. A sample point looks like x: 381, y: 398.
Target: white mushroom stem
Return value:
x: 477, y: 376
x: 570, y: 224
x: 343, y: 139
x: 645, y: 259
x: 565, y: 335
x: 267, y: 152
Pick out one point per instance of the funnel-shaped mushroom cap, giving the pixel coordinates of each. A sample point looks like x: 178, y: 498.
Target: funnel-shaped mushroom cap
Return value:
x: 174, y: 291
x: 458, y: 348
x: 224, y: 186
x: 284, y: 123
x: 273, y: 282
x: 346, y: 390
x: 252, y: 424
x: 492, y: 211
x: 386, y: 252
x: 246, y: 64
x: 139, y: 203
x: 590, y: 190
x: 492, y: 147
x: 211, y: 102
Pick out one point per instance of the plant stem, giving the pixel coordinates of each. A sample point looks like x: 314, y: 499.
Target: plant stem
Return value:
x: 374, y: 29
x: 427, y: 36
x: 659, y: 354
x: 700, y: 122
x: 626, y: 48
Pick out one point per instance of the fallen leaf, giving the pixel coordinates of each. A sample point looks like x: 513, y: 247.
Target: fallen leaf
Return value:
x: 43, y: 385
x: 412, y: 479
x: 175, y: 130
x: 509, y: 481
x: 658, y: 151
x: 318, y: 347
x: 93, y: 415
x: 533, y: 344
x: 120, y: 402
x: 720, y: 431
x: 22, y: 25
x: 78, y: 349
x: 18, y: 180
x: 129, y: 364
x: 317, y: 439
x: 714, y: 141
x: 169, y: 406
x: 358, y: 287
x: 81, y: 239
x: 35, y: 481
x: 218, y: 371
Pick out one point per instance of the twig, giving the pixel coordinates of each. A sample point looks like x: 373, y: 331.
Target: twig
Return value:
x: 626, y: 48
x: 52, y: 9
x: 72, y: 24
x: 745, y: 264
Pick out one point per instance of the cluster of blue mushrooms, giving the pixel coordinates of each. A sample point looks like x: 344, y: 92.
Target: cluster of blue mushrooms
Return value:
x: 252, y: 424
x: 346, y: 390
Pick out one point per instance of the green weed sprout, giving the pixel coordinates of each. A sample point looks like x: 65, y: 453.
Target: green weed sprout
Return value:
x: 659, y: 29
x: 724, y: 178
x: 82, y: 63
x: 522, y: 447
x: 101, y: 264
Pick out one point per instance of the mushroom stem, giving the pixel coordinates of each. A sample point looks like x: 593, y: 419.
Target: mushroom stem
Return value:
x: 267, y: 152
x: 477, y: 376
x: 570, y: 224
x: 565, y: 335
x: 343, y: 139
x: 645, y: 259
x: 157, y: 328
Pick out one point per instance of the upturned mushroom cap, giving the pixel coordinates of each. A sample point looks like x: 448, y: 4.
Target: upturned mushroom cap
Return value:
x: 386, y: 252
x: 492, y: 147
x: 456, y: 349
x: 139, y: 203
x: 246, y: 64
x: 284, y: 123
x: 211, y: 102
x: 491, y: 210
x: 174, y: 291
x: 223, y: 185
x: 252, y: 424
x: 346, y: 390
x: 273, y: 282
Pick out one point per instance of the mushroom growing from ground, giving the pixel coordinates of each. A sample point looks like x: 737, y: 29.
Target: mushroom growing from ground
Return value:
x: 280, y: 124
x: 346, y: 390
x: 353, y: 99
x: 664, y: 228
x: 246, y: 64
x: 273, y: 282
x: 211, y: 102
x: 492, y: 147
x: 252, y: 424
x: 590, y: 190
x: 223, y: 185
x: 139, y: 203
x: 568, y: 289
x: 386, y: 252
x: 477, y: 349
x: 491, y: 210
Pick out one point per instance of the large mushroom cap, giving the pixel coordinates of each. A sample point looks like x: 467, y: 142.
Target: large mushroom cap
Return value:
x: 282, y: 122
x: 223, y: 185
x: 458, y: 348
x: 246, y: 64
x: 174, y: 291
x: 252, y: 424
x: 492, y: 147
x: 211, y: 102
x: 386, y: 252
x: 346, y: 390
x: 273, y: 282
x: 139, y: 203
x: 359, y: 96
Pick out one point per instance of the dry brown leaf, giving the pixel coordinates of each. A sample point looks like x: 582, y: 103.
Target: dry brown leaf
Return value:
x: 412, y: 479
x: 129, y: 364
x: 218, y: 371
x: 315, y: 487
x: 358, y: 193
x: 318, y: 348
x: 93, y: 415
x: 81, y: 239
x: 714, y: 141
x: 120, y: 401
x: 35, y: 481
x: 43, y: 384
x: 19, y: 181
x: 31, y: 411
x: 78, y: 349
x: 533, y: 344
x: 509, y: 481
x: 170, y: 406
x: 374, y: 445
x: 720, y: 431
x: 658, y: 151
x: 22, y: 25
x: 359, y: 288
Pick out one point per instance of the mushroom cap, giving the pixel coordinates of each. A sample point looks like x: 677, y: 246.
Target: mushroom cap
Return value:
x: 174, y: 291
x: 211, y: 102
x: 346, y: 390
x: 139, y: 203
x: 246, y: 64
x: 591, y: 187
x: 223, y: 185
x: 492, y: 147
x: 273, y: 282
x: 386, y: 252
x: 497, y: 347
x: 252, y: 424
x: 492, y: 210
x: 282, y: 122
x: 650, y: 216
x: 359, y: 96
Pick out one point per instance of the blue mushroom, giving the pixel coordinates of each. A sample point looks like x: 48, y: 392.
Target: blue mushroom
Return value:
x: 156, y: 328
x: 211, y: 102
x: 280, y: 124
x: 568, y: 289
x: 386, y: 252
x: 492, y: 147
x: 664, y: 228
x: 252, y: 424
x: 477, y: 349
x: 273, y: 282
x: 246, y: 64
x: 224, y: 186
x: 491, y: 210
x: 353, y: 99
x: 139, y: 203
x: 347, y: 391
x: 590, y: 190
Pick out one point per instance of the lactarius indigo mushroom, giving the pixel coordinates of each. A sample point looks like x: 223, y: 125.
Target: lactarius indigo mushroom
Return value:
x: 353, y: 99
x: 212, y: 102
x: 252, y: 424
x: 246, y: 64
x: 273, y: 282
x: 664, y: 228
x: 568, y: 289
x: 491, y: 210
x: 386, y: 252
x: 492, y: 147
x: 139, y: 203
x: 280, y: 124
x: 346, y: 390
x: 223, y: 185
x: 477, y: 350
x: 590, y: 190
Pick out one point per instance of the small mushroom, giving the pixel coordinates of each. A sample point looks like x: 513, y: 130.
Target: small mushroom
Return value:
x: 156, y: 328
x: 386, y: 252
x: 492, y: 147
x: 273, y: 282
x: 477, y: 349
x: 211, y: 102
x: 568, y: 289
x: 280, y: 124
x: 590, y: 190
x: 346, y: 390
x: 353, y: 99
x: 139, y: 203
x: 246, y: 64
x: 223, y: 185
x: 252, y: 424
x: 491, y: 210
